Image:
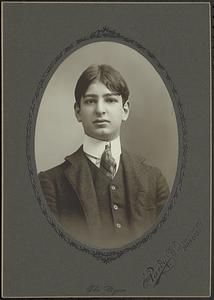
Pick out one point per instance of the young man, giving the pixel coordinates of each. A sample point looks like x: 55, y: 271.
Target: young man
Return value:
x: 102, y: 195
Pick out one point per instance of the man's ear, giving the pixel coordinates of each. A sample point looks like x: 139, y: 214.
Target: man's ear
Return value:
x: 125, y: 114
x: 77, y: 112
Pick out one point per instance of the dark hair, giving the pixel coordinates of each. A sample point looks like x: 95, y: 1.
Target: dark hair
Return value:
x: 111, y: 78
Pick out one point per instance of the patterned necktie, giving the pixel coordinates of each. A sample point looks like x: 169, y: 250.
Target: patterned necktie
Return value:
x: 108, y: 163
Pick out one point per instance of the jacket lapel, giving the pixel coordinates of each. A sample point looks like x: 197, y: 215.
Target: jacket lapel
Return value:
x: 79, y: 176
x: 134, y: 182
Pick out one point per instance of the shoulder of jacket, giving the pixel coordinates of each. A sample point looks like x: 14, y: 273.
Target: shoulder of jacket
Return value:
x: 133, y: 156
x: 151, y: 171
x: 140, y: 161
x: 59, y: 169
x: 54, y: 171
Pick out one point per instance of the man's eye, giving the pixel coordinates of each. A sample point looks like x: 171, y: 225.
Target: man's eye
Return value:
x: 90, y: 101
x: 111, y: 100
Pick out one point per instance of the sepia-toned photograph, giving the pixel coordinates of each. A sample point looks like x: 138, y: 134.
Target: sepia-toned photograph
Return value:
x: 107, y: 149
x: 106, y: 145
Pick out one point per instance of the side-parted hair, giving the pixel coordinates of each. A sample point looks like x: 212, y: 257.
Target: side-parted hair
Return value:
x: 110, y: 77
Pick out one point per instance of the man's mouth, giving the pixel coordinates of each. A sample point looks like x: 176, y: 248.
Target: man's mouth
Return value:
x: 98, y: 121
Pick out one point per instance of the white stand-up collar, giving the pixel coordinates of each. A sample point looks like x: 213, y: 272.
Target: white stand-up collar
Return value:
x: 96, y: 147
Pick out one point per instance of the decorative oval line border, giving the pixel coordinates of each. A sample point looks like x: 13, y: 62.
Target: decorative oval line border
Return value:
x: 107, y: 256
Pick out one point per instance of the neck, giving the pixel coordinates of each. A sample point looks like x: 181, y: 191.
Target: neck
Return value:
x: 96, y: 147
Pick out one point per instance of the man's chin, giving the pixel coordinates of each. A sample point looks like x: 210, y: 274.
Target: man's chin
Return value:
x: 102, y: 136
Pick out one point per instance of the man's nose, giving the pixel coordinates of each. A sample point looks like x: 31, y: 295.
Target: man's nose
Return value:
x: 100, y: 107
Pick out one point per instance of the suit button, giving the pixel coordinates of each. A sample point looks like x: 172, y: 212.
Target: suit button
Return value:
x: 118, y: 225
x: 113, y: 188
x: 115, y: 206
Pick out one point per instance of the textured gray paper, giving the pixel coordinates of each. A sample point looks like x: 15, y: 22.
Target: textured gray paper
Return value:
x: 173, y: 258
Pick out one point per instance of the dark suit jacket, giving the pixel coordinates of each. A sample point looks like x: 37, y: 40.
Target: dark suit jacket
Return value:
x: 71, y: 196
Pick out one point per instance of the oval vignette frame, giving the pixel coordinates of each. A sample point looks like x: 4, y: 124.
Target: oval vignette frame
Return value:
x: 106, y: 34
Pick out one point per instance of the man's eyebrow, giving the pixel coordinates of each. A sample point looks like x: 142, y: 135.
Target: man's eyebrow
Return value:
x: 111, y: 94
x: 90, y: 95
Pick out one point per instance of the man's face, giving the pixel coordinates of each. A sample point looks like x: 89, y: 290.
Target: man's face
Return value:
x: 101, y: 112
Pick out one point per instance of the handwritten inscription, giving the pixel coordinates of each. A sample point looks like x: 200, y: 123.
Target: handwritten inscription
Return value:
x: 153, y: 274
x: 105, y: 290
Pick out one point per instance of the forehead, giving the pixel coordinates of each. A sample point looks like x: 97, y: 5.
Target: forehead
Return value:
x: 97, y: 88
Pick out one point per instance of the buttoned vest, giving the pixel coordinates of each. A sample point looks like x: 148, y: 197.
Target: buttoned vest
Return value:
x: 112, y: 202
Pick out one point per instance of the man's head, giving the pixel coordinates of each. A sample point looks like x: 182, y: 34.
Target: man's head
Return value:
x: 101, y: 101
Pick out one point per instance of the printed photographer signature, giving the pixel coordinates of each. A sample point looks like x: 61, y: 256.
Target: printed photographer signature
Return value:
x: 153, y: 274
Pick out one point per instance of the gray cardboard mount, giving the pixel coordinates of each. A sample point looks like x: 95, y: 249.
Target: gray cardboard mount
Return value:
x: 174, y: 258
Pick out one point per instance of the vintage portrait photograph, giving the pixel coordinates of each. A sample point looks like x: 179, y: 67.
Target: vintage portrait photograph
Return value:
x: 107, y: 149
x: 106, y: 144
